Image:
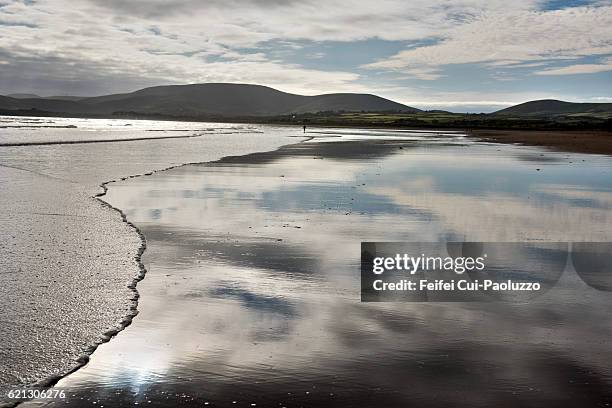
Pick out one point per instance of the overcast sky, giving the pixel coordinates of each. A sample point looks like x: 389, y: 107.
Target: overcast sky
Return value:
x: 474, y: 55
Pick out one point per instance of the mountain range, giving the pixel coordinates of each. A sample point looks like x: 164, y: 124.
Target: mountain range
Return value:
x: 215, y: 99
x: 552, y: 107
x: 227, y: 100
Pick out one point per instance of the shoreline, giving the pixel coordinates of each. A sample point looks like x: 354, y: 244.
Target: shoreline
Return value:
x: 318, y: 391
x: 65, y: 142
x: 525, y: 137
x: 50, y: 382
x: 545, y: 124
x: 571, y: 141
x: 592, y: 141
x: 127, y: 320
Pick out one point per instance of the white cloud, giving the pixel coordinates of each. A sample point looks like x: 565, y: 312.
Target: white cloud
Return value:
x: 422, y: 73
x: 81, y: 42
x: 99, y: 46
x: 578, y: 69
x: 512, y: 38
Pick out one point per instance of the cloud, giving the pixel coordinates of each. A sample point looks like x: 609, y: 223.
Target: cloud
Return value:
x: 512, y: 39
x: 100, y: 46
x: 82, y: 43
x: 168, y: 9
x: 423, y: 73
x: 578, y: 69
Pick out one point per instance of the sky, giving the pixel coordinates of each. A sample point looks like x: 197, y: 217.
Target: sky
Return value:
x: 464, y: 55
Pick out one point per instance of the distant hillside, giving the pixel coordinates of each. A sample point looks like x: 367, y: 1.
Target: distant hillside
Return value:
x: 551, y: 107
x: 34, y: 96
x: 215, y: 99
x: 47, y: 105
x: 22, y: 96
x: 65, y: 97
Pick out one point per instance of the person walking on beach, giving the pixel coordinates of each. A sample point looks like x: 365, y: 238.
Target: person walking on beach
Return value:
x: 304, y: 128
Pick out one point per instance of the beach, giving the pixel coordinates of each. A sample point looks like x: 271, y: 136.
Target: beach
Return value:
x: 281, y: 204
x: 577, y: 141
x: 251, y: 291
x: 268, y: 204
x: 69, y: 262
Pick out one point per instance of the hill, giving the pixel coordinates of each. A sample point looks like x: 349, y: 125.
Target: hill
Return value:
x: 34, y: 96
x: 65, y: 97
x: 551, y: 107
x: 213, y: 99
x: 23, y: 96
x: 41, y: 104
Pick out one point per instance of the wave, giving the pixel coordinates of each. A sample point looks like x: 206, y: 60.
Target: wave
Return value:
x: 127, y: 139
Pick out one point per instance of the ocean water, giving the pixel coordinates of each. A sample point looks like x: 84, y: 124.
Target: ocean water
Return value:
x: 20, y: 130
x: 252, y: 290
x: 67, y: 260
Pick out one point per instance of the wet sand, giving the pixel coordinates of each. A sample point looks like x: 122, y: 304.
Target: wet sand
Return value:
x: 67, y: 260
x: 586, y: 141
x: 252, y: 291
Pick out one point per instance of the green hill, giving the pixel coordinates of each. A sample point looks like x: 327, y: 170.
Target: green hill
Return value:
x: 214, y: 99
x: 551, y: 107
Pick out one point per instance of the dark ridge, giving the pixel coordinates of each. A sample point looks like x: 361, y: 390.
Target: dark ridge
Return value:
x: 218, y: 99
x: 65, y: 97
x: 552, y: 107
x: 23, y: 96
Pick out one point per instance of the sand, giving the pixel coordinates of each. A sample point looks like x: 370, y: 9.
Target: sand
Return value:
x: 586, y: 141
x: 252, y: 290
x: 68, y: 261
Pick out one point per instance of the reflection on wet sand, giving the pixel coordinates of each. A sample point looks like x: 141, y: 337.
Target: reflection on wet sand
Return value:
x: 252, y: 291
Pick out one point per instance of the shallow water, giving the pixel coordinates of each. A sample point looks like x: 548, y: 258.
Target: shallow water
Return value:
x: 252, y: 290
x: 24, y: 130
x: 66, y: 260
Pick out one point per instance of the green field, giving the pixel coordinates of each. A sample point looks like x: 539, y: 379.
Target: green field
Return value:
x: 440, y: 119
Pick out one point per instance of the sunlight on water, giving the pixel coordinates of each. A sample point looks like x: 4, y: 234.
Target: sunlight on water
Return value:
x: 252, y: 292
x: 35, y: 130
